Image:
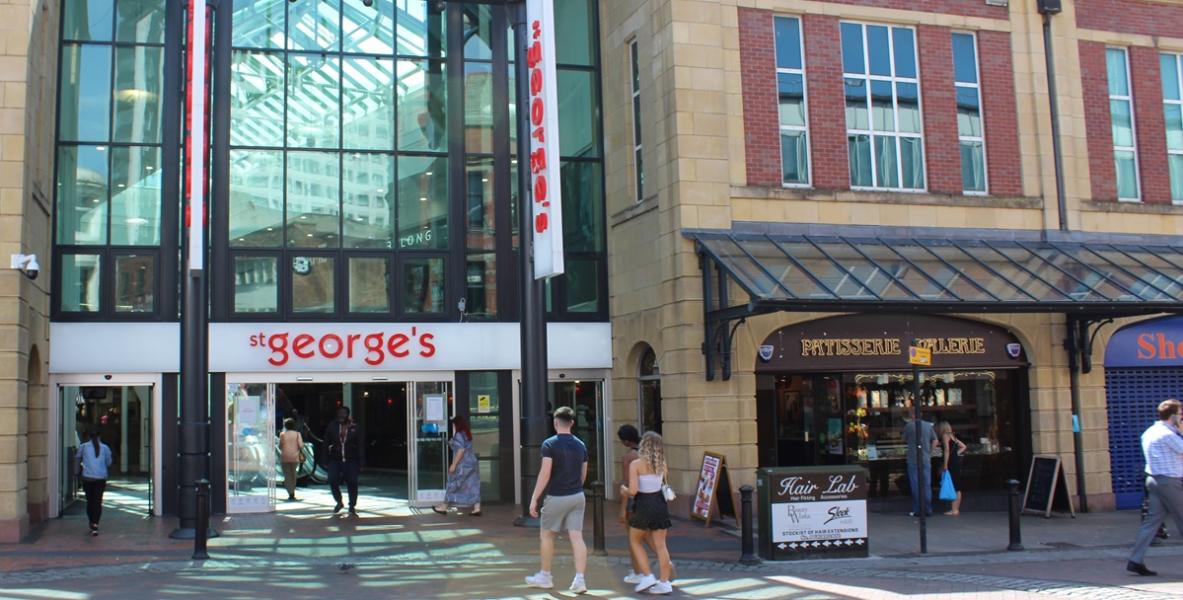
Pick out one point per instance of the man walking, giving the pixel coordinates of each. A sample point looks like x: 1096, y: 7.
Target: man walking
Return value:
x: 564, y: 469
x: 1163, y: 448
x: 920, y: 432
x: 343, y: 439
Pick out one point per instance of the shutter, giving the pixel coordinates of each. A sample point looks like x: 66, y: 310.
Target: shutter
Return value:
x: 1132, y: 396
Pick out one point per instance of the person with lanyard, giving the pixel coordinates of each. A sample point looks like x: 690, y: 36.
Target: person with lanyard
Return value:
x: 1162, y: 447
x: 344, y: 462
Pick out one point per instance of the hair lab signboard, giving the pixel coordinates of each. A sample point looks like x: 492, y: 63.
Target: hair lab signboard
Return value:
x: 813, y: 512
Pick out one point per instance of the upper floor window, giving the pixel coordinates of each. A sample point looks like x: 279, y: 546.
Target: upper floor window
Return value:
x: 635, y: 85
x: 1172, y: 98
x: 790, y: 85
x: 1121, y: 114
x: 969, y: 113
x: 884, y: 137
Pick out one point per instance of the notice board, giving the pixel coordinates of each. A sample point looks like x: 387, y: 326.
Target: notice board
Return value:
x: 1046, y: 487
x: 712, y: 493
x: 813, y: 512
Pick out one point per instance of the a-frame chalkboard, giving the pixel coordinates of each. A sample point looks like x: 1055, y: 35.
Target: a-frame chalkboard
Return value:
x: 1046, y: 487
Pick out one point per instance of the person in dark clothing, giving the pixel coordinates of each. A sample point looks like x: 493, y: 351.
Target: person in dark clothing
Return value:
x: 94, y: 458
x: 343, y: 440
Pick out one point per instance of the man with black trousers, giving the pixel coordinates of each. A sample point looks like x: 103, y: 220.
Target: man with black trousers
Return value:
x: 343, y: 439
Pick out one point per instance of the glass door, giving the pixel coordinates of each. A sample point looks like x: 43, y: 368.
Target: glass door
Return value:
x: 71, y: 401
x: 250, y: 452
x: 430, y: 411
x: 586, y: 398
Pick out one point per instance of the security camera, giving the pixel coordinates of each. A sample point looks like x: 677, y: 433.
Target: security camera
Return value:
x: 27, y: 264
x: 367, y: 3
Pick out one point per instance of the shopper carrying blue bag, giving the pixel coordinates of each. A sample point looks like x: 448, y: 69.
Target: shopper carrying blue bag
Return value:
x: 948, y: 492
x: 952, y: 449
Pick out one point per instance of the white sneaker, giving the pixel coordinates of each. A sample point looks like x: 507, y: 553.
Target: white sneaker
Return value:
x: 646, y: 582
x: 632, y: 578
x: 540, y: 580
x: 661, y: 587
x: 578, y: 585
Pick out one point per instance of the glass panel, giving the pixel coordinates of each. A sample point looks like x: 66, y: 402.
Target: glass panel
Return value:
x: 140, y: 21
x: 313, y: 284
x: 746, y: 271
x: 882, y: 106
x: 903, y: 42
x: 256, y: 198
x: 1102, y: 274
x: 135, y: 196
x: 969, y: 115
x: 88, y: 20
x: 314, y: 25
x: 1173, y: 113
x: 258, y: 24
x: 583, y: 397
x: 250, y: 448
x: 480, y: 283
x: 367, y: 29
x: 868, y: 274
x: 135, y: 283
x: 1067, y: 281
x: 1176, y: 166
x: 583, y: 285
x: 878, y: 53
x: 82, y: 195
x: 313, y: 213
x: 85, y: 92
x: 421, y: 28
x: 1003, y: 285
x: 423, y: 285
x: 1169, y: 67
x: 1148, y: 268
x: 422, y: 107
x: 480, y: 213
x: 367, y: 103
x: 794, y: 157
x: 908, y: 107
x: 422, y: 202
x: 788, y: 43
x: 852, y: 49
x: 792, y: 99
x: 80, y: 282
x: 431, y: 440
x: 578, y: 112
x: 1115, y: 65
x: 256, y: 284
x: 484, y: 415
x: 573, y: 25
x: 139, y: 73
x: 478, y: 31
x: 256, y: 99
x: 954, y: 280
x: 886, y: 167
x: 478, y: 107
x: 368, y: 201
x: 369, y: 280
x: 314, y: 100
x: 859, y: 149
x: 583, y: 206
x: 1013, y: 275
x: 973, y: 167
x: 965, y: 68
x: 1127, y: 174
x: 857, y: 116
x: 1123, y: 131
x: 922, y: 286
x: 1082, y: 282
x: 912, y: 158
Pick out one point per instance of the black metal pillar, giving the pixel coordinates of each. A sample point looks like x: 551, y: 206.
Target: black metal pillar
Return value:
x: 1077, y: 333
x: 920, y: 480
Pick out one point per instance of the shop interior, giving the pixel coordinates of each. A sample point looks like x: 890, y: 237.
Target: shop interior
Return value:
x: 123, y: 417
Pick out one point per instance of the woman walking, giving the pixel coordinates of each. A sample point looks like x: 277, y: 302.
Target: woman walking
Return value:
x: 651, y: 515
x: 95, y: 457
x: 952, y: 449
x: 464, y: 476
x: 630, y: 438
x: 291, y: 452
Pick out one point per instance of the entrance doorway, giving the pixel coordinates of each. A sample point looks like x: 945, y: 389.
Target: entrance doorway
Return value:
x: 586, y: 398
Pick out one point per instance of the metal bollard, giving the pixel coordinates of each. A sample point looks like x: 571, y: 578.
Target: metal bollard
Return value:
x: 598, y: 519
x: 201, y: 533
x: 1014, y: 508
x: 747, y: 554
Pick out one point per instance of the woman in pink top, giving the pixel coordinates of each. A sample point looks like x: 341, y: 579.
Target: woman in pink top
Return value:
x: 291, y: 446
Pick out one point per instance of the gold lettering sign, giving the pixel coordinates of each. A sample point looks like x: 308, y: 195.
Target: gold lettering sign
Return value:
x: 888, y: 346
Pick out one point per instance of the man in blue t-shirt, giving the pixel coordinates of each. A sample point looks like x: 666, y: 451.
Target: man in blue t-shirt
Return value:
x: 564, y: 469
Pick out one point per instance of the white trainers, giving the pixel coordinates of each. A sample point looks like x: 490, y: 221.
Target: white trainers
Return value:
x: 632, y: 578
x: 646, y: 582
x: 578, y: 585
x: 540, y: 580
x: 661, y: 587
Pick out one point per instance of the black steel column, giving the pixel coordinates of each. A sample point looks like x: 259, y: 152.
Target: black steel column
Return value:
x: 919, y: 454
x: 533, y: 321
x: 1077, y: 333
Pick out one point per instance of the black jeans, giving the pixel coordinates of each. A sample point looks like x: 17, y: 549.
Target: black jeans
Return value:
x: 94, y: 489
x: 347, y: 470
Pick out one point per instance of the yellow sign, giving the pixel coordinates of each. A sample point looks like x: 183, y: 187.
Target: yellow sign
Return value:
x: 483, y: 405
x: 919, y: 356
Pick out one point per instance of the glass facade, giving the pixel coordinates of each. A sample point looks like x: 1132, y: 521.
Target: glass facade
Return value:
x: 1172, y: 98
x: 1121, y: 114
x: 790, y: 85
x: 972, y: 140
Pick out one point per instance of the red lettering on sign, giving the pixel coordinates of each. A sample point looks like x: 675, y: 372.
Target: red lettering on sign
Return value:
x: 537, y: 111
x: 338, y: 345
x: 300, y: 342
x: 278, y: 343
x: 538, y: 160
x: 396, y: 343
x: 373, y: 344
x: 425, y: 341
x: 541, y: 222
x: 535, y: 82
x: 1145, y: 347
x: 534, y: 54
x: 378, y: 346
x: 540, y: 188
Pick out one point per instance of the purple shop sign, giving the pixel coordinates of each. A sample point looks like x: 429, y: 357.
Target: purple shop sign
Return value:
x: 1152, y: 343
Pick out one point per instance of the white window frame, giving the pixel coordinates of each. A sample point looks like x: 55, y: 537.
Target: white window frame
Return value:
x: 804, y: 105
x: 981, y: 114
x: 895, y: 106
x: 1129, y: 99
x: 1177, y: 59
x: 634, y: 82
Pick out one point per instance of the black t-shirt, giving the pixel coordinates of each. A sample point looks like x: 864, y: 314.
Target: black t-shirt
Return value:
x: 568, y: 454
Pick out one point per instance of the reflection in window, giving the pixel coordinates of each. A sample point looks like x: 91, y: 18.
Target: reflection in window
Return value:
x: 422, y: 105
x: 88, y: 20
x: 367, y: 205
x: 480, y: 282
x: 256, y: 284
x: 478, y: 107
x: 790, y: 76
x: 583, y: 286
x: 422, y: 202
x: 368, y: 281
x: 423, y: 285
x: 479, y: 209
x: 135, y: 283
x: 139, y: 75
x: 80, y: 283
x: 1121, y: 103
x: 367, y: 103
x: 578, y: 117
x: 135, y: 196
x: 256, y: 198
x: 969, y: 113
x: 635, y: 89
x: 312, y: 284
x: 85, y: 93
x: 478, y: 31
x: 312, y: 205
x: 140, y: 21
x: 313, y: 100
x: 649, y: 392
x: 82, y: 195
x: 573, y: 26
x: 583, y: 218
x: 1172, y: 97
x: 256, y: 90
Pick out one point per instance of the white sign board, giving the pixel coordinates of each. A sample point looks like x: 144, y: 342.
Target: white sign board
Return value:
x: 819, y: 521
x: 543, y: 113
x: 435, y: 408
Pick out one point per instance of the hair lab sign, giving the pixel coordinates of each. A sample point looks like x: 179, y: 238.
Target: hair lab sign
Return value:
x: 543, y: 114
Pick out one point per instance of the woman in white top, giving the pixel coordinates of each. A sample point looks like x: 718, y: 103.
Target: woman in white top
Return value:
x: 651, y: 515
x: 94, y: 459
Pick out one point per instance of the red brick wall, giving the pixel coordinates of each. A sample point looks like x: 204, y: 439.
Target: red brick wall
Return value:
x: 1000, y: 117
x: 827, y: 112
x: 761, y: 123
x: 939, y: 99
x: 1150, y: 125
x: 969, y: 8
x: 1095, y: 85
x: 1130, y: 16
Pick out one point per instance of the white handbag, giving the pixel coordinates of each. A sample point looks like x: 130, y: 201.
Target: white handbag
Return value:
x: 667, y: 492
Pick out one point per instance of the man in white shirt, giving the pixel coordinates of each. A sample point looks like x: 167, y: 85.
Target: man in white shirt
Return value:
x: 1162, y: 445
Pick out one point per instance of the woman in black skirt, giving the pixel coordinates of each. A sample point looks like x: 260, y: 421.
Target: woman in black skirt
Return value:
x: 952, y: 448
x: 651, y: 516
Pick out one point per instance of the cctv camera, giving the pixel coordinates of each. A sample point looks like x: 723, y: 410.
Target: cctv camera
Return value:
x: 367, y: 3
x: 26, y: 263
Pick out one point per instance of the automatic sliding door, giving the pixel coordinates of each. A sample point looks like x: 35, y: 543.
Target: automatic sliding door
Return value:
x: 250, y: 440
x: 430, y: 411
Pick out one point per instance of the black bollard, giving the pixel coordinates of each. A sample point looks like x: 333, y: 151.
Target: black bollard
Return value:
x: 747, y: 551
x: 598, y: 519
x: 201, y: 533
x: 1013, y: 509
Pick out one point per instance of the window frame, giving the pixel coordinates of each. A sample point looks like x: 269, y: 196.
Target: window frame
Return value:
x: 1133, y: 147
x: 635, y: 110
x: 1177, y: 60
x: 781, y: 127
x: 977, y: 85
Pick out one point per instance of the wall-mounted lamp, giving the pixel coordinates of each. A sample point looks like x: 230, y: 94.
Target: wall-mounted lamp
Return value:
x: 27, y: 264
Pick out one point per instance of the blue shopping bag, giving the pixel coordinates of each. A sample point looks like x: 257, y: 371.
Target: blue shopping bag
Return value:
x: 948, y: 493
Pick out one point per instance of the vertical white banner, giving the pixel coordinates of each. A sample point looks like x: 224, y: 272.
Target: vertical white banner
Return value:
x: 547, y: 226
x: 196, y: 106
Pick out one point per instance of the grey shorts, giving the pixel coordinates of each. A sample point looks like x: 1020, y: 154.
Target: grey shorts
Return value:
x: 563, y: 513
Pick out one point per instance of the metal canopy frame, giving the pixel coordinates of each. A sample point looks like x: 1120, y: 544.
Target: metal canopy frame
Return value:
x: 1089, y: 282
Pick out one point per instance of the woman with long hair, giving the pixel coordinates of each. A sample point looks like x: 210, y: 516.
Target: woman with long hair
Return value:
x: 952, y: 449
x: 651, y: 515
x: 464, y: 476
x: 94, y: 458
x: 291, y: 454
